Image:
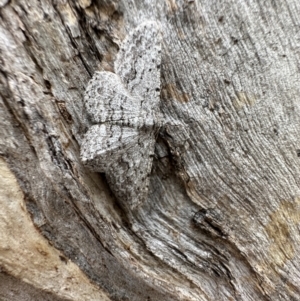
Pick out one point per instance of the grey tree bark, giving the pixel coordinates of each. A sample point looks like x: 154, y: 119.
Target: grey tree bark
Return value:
x: 221, y: 221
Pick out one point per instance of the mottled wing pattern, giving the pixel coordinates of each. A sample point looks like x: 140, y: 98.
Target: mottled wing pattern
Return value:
x: 107, y: 99
x: 124, y: 106
x: 138, y: 63
x: 129, y: 176
x: 105, y: 143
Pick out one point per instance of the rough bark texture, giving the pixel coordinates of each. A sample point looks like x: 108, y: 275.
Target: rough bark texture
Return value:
x: 221, y: 221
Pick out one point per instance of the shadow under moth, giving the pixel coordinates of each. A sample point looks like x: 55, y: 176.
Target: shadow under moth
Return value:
x: 124, y: 109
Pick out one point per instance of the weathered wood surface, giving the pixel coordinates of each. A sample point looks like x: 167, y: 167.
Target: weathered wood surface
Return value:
x: 14, y: 289
x: 221, y: 221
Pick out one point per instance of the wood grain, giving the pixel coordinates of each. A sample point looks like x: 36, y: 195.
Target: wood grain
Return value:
x: 221, y: 221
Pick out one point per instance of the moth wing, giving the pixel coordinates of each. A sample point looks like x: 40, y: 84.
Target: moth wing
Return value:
x: 104, y: 144
x: 106, y: 99
x: 138, y: 63
x: 129, y: 176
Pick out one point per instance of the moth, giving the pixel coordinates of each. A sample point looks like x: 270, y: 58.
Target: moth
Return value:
x: 124, y: 109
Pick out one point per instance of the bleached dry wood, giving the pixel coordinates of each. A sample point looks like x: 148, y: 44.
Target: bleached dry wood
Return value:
x: 25, y: 254
x: 221, y: 221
